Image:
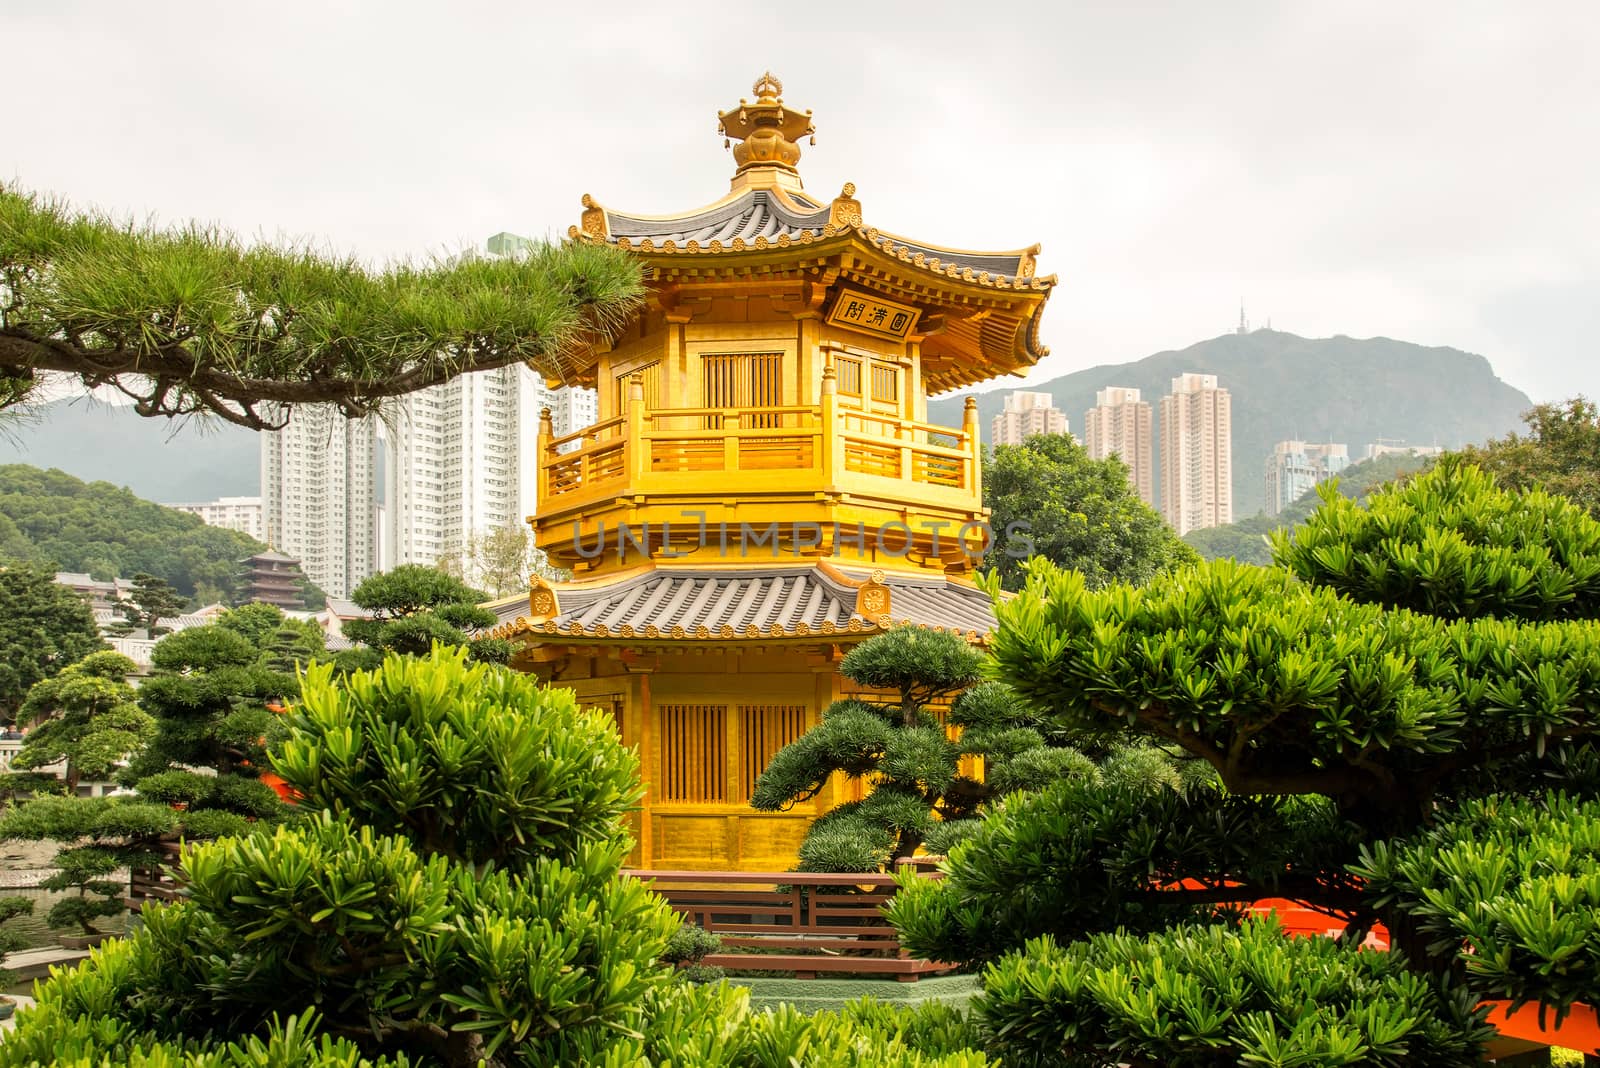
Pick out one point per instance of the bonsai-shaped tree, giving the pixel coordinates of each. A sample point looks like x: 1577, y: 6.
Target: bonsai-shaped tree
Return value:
x: 197, y: 742
x: 99, y: 836
x: 286, y: 644
x: 209, y: 694
x: 1414, y: 655
x: 412, y: 607
x: 152, y: 600
x: 85, y: 717
x: 907, y: 756
x: 451, y: 895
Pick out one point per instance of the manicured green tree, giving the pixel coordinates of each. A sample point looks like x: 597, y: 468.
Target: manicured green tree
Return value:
x: 452, y: 895
x: 151, y: 601
x: 286, y: 644
x: 43, y: 629
x: 899, y: 747
x: 412, y: 607
x: 1414, y: 655
x: 98, y: 836
x: 190, y: 319
x: 210, y: 693
x: 85, y: 717
x: 1048, y: 498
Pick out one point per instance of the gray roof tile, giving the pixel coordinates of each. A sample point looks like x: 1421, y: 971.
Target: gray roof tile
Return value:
x: 781, y: 598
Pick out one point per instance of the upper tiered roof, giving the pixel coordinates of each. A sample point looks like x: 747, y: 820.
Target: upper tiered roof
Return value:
x: 982, y: 307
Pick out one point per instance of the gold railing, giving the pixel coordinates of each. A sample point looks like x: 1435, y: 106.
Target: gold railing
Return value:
x: 824, y: 447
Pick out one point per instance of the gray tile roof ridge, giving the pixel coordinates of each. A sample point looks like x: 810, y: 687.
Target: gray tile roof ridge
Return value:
x: 741, y: 209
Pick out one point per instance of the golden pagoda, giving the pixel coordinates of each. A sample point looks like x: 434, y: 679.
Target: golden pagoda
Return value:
x: 761, y: 490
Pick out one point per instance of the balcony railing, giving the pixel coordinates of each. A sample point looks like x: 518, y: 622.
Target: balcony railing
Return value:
x: 824, y: 447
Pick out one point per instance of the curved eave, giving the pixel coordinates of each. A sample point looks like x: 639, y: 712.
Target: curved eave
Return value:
x: 991, y: 326
x: 549, y: 632
x: 832, y: 238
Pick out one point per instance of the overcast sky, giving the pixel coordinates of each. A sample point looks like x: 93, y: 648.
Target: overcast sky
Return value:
x: 1424, y: 171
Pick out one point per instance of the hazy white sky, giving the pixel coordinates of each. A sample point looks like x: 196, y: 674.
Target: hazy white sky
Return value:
x: 1422, y: 170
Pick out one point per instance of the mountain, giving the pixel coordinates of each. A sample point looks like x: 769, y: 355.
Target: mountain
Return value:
x: 158, y: 459
x: 1315, y: 389
x: 61, y: 523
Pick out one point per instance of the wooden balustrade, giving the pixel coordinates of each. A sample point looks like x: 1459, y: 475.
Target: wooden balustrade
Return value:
x: 795, y: 921
x: 780, y: 447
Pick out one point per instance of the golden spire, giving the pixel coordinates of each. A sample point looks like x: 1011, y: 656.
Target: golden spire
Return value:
x: 767, y: 133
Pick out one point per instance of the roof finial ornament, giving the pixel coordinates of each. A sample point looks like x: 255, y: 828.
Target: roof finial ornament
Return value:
x: 766, y: 132
x: 767, y: 88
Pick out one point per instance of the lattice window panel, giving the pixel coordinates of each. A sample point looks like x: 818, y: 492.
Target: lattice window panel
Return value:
x: 694, y: 753
x: 885, y: 384
x: 742, y: 380
x: 763, y: 730
x: 848, y: 372
x: 653, y: 385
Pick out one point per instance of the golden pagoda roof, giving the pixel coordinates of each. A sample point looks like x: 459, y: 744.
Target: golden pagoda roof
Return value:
x: 756, y: 219
x: 683, y: 604
x: 987, y: 303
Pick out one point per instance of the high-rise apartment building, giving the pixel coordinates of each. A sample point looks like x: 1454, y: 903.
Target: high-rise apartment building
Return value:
x: 231, y: 513
x: 462, y: 459
x: 1119, y: 425
x: 1026, y: 414
x: 1295, y: 467
x: 318, y: 495
x: 1196, y: 454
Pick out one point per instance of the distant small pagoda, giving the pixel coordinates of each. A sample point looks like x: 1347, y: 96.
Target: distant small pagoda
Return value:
x: 272, y: 578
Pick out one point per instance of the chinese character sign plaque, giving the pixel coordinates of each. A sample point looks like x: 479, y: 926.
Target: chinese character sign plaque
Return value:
x: 872, y: 315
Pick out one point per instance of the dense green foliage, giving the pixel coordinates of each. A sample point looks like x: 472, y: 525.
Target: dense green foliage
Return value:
x: 1248, y: 541
x: 85, y: 716
x: 406, y: 751
x: 60, y: 523
x: 1560, y: 452
x: 1515, y: 883
x: 191, y: 320
x: 1086, y: 855
x: 1206, y: 997
x: 450, y: 929
x: 413, y: 607
x: 1047, y: 497
x: 43, y: 629
x: 1354, y: 390
x: 196, y: 737
x: 1385, y: 764
x: 1453, y: 546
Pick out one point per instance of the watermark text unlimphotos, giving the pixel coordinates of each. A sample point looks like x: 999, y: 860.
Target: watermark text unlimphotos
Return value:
x: 893, y: 539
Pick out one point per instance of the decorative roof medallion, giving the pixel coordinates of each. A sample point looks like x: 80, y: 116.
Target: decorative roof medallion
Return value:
x: 542, y: 604
x: 872, y: 598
